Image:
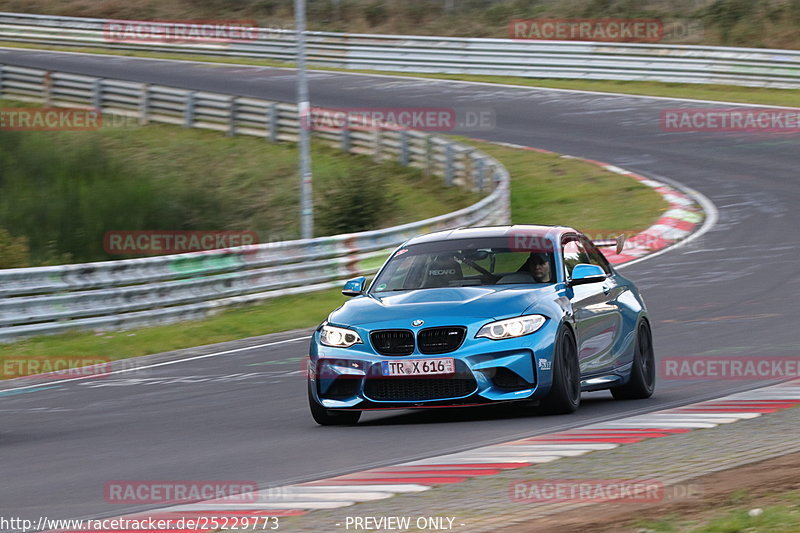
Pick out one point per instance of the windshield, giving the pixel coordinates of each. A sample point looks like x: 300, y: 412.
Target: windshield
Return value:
x: 466, y: 262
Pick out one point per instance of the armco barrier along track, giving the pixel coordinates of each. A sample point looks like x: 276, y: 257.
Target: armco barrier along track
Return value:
x: 405, y: 53
x: 141, y: 292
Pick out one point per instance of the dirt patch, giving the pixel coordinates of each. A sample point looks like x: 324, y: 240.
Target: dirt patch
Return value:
x: 761, y: 481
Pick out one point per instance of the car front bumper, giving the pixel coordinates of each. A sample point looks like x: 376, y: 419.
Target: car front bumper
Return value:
x: 486, y: 371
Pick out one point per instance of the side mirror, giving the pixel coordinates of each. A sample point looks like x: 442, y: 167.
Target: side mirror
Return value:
x: 355, y: 286
x: 584, y: 273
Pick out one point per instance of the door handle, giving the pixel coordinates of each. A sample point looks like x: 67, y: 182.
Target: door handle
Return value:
x: 606, y: 289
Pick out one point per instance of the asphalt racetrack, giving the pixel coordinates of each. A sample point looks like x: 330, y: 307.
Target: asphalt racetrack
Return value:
x: 243, y: 415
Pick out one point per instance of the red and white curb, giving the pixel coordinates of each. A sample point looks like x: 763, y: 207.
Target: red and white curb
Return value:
x: 422, y: 475
x: 676, y: 224
x: 680, y: 220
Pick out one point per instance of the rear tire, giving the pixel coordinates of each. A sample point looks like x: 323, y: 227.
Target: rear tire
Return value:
x: 565, y: 393
x: 642, y: 382
x: 331, y: 417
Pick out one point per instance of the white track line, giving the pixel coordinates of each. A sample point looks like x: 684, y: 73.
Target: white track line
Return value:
x: 154, y: 365
x: 391, y: 487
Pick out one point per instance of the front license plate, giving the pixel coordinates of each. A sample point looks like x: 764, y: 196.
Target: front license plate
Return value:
x: 419, y: 367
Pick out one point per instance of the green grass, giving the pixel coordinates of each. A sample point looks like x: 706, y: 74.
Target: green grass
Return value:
x: 697, y: 91
x: 63, y: 190
x: 781, y: 514
x: 550, y: 189
x: 545, y: 189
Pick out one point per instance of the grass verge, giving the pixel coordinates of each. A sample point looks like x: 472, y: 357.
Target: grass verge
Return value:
x: 545, y: 189
x: 719, y: 93
x: 778, y: 513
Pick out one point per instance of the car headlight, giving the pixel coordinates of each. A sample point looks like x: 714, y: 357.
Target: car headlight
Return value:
x: 338, y: 337
x: 512, y: 327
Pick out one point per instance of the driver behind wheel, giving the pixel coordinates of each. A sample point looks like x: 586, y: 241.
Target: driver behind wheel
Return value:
x: 538, y: 265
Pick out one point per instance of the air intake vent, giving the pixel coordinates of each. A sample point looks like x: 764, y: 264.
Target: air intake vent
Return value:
x: 441, y: 340
x: 422, y: 389
x: 393, y: 341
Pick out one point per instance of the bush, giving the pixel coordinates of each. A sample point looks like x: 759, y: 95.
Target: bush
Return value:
x: 794, y: 9
x: 350, y: 202
x: 376, y: 13
x: 63, y: 200
x: 725, y: 14
x: 13, y: 250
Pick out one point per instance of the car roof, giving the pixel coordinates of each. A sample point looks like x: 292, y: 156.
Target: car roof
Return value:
x: 528, y: 230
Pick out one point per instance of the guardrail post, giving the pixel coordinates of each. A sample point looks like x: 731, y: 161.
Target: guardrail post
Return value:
x: 232, y: 117
x: 449, y: 168
x: 428, y: 155
x: 498, y: 176
x: 480, y: 174
x: 378, y: 132
x: 188, y: 113
x: 97, y: 95
x: 467, y: 172
x: 144, y: 104
x: 404, y: 148
x: 47, y: 86
x: 272, y: 122
x: 1, y: 81
x: 346, y: 139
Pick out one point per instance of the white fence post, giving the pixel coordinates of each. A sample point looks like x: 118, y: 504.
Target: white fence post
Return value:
x: 144, y: 104
x: 97, y: 95
x: 188, y: 113
x: 272, y: 122
x: 232, y: 116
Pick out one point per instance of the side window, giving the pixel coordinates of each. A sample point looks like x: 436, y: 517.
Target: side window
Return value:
x: 596, y: 257
x: 510, y: 261
x: 395, y: 275
x: 574, y: 253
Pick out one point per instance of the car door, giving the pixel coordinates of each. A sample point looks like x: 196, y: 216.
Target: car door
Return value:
x: 595, y: 310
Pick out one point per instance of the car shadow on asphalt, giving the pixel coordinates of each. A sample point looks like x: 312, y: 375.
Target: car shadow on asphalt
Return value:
x: 507, y: 411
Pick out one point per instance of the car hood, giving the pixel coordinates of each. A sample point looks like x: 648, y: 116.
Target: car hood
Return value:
x: 475, y: 302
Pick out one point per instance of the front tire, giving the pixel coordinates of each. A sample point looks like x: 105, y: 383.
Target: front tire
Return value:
x: 331, y: 417
x: 565, y: 393
x: 642, y: 382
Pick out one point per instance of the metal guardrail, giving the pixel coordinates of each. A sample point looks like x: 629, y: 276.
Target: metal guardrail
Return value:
x: 500, y: 57
x: 148, y: 291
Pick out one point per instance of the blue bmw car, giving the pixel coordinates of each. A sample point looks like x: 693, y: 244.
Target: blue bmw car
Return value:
x: 530, y: 314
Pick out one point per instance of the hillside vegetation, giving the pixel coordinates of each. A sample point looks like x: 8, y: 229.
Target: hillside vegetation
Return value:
x: 61, y: 191
x: 755, y: 23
